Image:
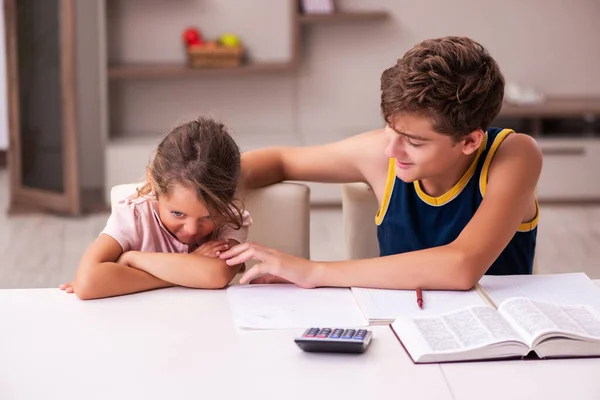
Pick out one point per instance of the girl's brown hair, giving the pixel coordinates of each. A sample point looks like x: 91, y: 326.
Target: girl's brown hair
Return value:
x: 200, y: 155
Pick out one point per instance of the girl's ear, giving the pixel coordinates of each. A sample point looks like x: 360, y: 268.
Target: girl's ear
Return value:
x: 472, y: 142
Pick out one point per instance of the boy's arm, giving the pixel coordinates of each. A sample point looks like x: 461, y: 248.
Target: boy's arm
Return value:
x: 99, y: 275
x: 193, y: 270
x: 512, y: 179
x: 348, y: 160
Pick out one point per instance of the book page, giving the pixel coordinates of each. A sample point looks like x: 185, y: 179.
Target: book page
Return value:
x: 460, y: 330
x: 386, y: 304
x: 562, y: 289
x: 535, y: 318
x: 289, y: 306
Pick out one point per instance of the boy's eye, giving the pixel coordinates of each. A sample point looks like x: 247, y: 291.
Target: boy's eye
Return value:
x: 413, y: 144
x: 177, y: 214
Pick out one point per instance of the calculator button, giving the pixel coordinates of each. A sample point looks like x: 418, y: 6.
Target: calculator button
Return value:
x: 337, y: 333
x: 324, y: 333
x: 312, y: 332
x: 348, y: 334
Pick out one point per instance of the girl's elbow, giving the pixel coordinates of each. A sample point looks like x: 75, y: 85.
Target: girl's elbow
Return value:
x: 84, y: 286
x: 219, y: 281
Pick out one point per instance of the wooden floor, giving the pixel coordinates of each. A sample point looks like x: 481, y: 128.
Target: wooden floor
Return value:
x: 44, y: 250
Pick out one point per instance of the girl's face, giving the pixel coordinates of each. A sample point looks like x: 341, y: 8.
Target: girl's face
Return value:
x: 184, y: 215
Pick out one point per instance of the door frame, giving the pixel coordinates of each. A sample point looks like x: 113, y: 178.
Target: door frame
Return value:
x: 23, y: 197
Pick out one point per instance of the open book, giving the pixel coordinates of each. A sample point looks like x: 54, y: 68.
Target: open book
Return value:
x: 518, y: 326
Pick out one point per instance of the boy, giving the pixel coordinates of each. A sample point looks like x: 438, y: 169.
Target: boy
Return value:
x: 456, y: 196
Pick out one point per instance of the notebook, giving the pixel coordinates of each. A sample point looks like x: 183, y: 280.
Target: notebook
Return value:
x: 550, y: 316
x: 284, y: 306
x: 382, y: 306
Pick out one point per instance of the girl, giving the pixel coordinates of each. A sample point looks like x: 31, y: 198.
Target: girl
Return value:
x: 173, y: 229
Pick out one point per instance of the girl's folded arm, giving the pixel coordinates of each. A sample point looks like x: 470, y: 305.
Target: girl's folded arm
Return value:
x: 99, y: 274
x: 190, y: 270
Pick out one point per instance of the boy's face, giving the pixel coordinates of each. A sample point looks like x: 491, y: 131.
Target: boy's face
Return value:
x: 184, y: 215
x: 420, y: 152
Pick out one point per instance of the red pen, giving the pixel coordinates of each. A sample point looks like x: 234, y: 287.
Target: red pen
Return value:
x: 419, y: 298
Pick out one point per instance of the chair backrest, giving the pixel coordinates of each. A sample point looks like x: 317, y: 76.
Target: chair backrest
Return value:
x: 280, y: 214
x: 359, y: 206
x: 281, y: 217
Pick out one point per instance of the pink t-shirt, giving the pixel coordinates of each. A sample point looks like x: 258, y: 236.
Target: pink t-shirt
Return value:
x: 135, y: 224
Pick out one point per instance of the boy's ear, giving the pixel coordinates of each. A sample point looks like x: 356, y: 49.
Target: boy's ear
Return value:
x: 471, y: 143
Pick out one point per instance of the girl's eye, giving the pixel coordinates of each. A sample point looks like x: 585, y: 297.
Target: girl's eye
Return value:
x: 177, y: 214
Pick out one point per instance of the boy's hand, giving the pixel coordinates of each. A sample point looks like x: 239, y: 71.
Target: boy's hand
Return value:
x: 272, y: 262
x: 267, y: 279
x: 212, y: 249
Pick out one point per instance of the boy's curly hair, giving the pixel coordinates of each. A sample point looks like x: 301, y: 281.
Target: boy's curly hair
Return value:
x: 451, y: 80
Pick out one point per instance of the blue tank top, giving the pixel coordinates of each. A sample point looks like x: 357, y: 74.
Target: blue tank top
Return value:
x: 411, y: 220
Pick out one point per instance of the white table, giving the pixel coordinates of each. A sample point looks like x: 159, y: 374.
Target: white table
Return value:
x: 181, y: 344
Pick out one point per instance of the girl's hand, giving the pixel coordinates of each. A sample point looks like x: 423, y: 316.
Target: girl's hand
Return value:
x: 67, y: 287
x: 212, y: 249
x: 273, y: 262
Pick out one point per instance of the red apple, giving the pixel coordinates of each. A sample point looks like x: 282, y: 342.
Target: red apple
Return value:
x: 192, y: 36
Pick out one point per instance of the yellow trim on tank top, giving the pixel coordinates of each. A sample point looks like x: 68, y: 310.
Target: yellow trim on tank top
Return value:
x: 458, y: 187
x: 488, y: 159
x: 483, y: 178
x: 387, y: 194
x: 531, y: 225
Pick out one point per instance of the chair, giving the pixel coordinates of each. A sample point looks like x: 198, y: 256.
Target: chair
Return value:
x: 359, y: 206
x: 280, y: 215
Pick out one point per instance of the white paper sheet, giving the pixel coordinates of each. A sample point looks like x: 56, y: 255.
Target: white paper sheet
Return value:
x: 290, y: 307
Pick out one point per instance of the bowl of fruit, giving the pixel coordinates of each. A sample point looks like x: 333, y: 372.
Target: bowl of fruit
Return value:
x: 226, y: 52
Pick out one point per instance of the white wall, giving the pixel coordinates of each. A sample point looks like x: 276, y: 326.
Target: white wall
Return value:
x: 550, y: 44
x: 3, y: 89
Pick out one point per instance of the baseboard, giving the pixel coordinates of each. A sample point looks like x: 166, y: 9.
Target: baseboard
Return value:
x: 3, y: 158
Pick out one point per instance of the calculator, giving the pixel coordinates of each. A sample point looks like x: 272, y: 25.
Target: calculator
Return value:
x: 334, y: 340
